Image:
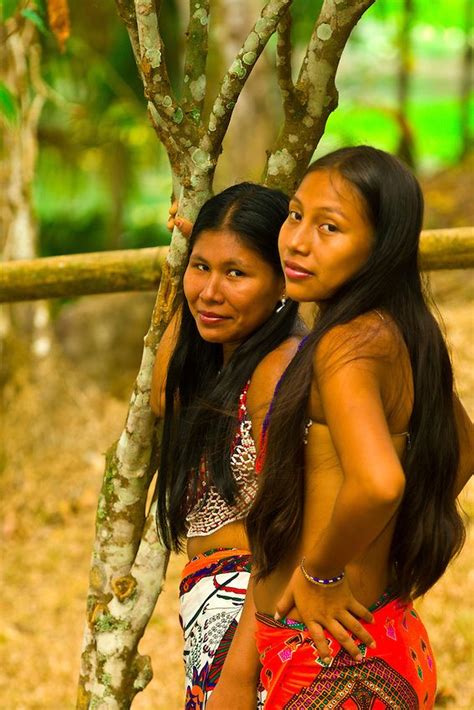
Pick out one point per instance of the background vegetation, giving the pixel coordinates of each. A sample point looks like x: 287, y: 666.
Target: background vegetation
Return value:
x: 103, y: 181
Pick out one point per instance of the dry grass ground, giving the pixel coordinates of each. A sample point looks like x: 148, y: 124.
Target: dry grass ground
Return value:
x: 54, y: 437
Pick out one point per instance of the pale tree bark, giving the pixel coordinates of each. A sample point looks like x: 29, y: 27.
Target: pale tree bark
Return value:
x: 128, y: 562
x: 310, y: 100
x: 20, y: 54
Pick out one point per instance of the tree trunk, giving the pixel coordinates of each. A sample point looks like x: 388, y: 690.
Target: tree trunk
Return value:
x: 20, y: 60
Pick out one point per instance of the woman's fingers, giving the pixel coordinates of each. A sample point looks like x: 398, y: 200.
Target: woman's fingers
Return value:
x: 284, y: 604
x: 184, y: 226
x: 356, y: 629
x: 361, y: 611
x: 345, y: 639
x: 174, y: 220
x: 320, y: 640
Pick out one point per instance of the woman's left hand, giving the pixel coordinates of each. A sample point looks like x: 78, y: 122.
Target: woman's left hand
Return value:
x: 332, y: 608
x: 175, y: 220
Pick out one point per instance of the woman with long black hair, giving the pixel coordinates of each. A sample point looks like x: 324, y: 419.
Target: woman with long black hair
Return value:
x: 214, y: 377
x: 366, y: 450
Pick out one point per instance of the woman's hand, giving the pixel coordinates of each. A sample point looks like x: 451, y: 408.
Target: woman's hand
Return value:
x: 184, y: 225
x: 331, y: 608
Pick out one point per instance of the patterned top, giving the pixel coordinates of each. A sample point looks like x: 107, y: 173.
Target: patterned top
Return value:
x: 211, y: 512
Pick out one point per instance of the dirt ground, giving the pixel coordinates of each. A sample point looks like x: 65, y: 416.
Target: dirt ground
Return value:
x: 59, y: 422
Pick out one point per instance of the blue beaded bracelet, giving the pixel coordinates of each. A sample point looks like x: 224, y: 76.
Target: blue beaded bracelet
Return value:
x: 321, y: 581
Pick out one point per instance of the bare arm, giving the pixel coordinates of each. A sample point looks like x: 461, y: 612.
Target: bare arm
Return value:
x: 160, y: 367
x: 263, y: 383
x: 348, y: 385
x: 373, y: 478
x: 168, y: 341
x: 237, y: 686
x: 466, y: 446
x: 238, y: 681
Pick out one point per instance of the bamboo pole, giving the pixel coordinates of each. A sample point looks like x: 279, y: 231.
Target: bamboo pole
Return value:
x: 81, y: 274
x: 140, y: 269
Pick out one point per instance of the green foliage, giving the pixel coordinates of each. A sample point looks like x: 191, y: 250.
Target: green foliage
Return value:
x: 8, y: 104
x: 103, y: 179
x: 440, y: 14
x: 303, y: 13
x: 35, y: 17
x: 8, y: 8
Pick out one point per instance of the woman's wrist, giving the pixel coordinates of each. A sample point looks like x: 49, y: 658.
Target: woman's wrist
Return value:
x: 325, y: 579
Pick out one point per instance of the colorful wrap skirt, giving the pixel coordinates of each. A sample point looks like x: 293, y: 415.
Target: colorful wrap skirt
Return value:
x: 399, y: 673
x: 212, y: 594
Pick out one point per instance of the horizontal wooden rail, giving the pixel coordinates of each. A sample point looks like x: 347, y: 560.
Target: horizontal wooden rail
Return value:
x: 140, y: 269
x: 82, y: 274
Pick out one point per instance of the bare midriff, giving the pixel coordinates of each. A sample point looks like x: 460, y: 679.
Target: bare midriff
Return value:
x: 368, y: 576
x: 232, y: 535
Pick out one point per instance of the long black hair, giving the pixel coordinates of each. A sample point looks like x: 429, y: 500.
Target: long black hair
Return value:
x: 202, y: 395
x: 429, y: 530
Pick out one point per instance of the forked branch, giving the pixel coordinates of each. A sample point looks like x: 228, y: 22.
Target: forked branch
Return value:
x: 194, y: 80
x: 240, y: 70
x: 315, y: 95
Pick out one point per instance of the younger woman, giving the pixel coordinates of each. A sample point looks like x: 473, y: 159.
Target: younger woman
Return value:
x: 356, y: 513
x: 214, y: 377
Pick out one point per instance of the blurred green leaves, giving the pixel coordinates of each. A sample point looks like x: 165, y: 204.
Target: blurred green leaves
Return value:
x: 8, y: 104
x: 35, y: 18
x: 103, y: 179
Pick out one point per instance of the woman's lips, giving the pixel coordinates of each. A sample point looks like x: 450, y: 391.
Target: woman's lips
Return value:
x: 210, y: 318
x: 296, y: 271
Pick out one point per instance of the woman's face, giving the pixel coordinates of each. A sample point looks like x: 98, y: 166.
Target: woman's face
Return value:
x: 231, y: 291
x: 326, y: 239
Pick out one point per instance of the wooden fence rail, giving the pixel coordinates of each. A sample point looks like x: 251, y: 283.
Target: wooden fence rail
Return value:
x: 140, y: 269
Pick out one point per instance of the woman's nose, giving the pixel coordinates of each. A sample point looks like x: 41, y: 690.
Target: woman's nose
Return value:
x: 298, y: 240
x: 212, y: 289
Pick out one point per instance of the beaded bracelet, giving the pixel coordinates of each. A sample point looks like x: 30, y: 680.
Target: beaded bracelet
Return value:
x: 321, y: 581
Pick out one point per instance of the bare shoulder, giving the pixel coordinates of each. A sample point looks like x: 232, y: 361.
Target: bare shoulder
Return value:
x: 371, y: 337
x: 465, y: 430
x: 268, y: 372
x: 160, y: 368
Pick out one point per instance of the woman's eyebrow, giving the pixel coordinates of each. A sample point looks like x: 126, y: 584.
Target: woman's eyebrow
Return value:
x: 295, y: 199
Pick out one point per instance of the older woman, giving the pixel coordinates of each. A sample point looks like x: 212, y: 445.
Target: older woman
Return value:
x: 215, y: 374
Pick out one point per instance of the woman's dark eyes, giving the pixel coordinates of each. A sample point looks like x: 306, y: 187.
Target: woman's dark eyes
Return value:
x: 329, y: 228
x: 294, y: 214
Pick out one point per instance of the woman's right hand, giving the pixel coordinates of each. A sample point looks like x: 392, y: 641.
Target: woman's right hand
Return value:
x: 174, y: 220
x: 332, y: 609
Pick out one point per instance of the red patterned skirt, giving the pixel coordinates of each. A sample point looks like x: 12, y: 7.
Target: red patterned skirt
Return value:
x: 399, y: 673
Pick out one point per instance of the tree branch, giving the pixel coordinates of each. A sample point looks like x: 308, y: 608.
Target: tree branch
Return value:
x: 240, y: 70
x: 315, y: 95
x: 284, y: 60
x: 152, y: 65
x: 194, y: 81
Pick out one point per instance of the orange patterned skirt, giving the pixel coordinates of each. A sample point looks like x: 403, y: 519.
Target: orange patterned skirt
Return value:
x: 399, y: 673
